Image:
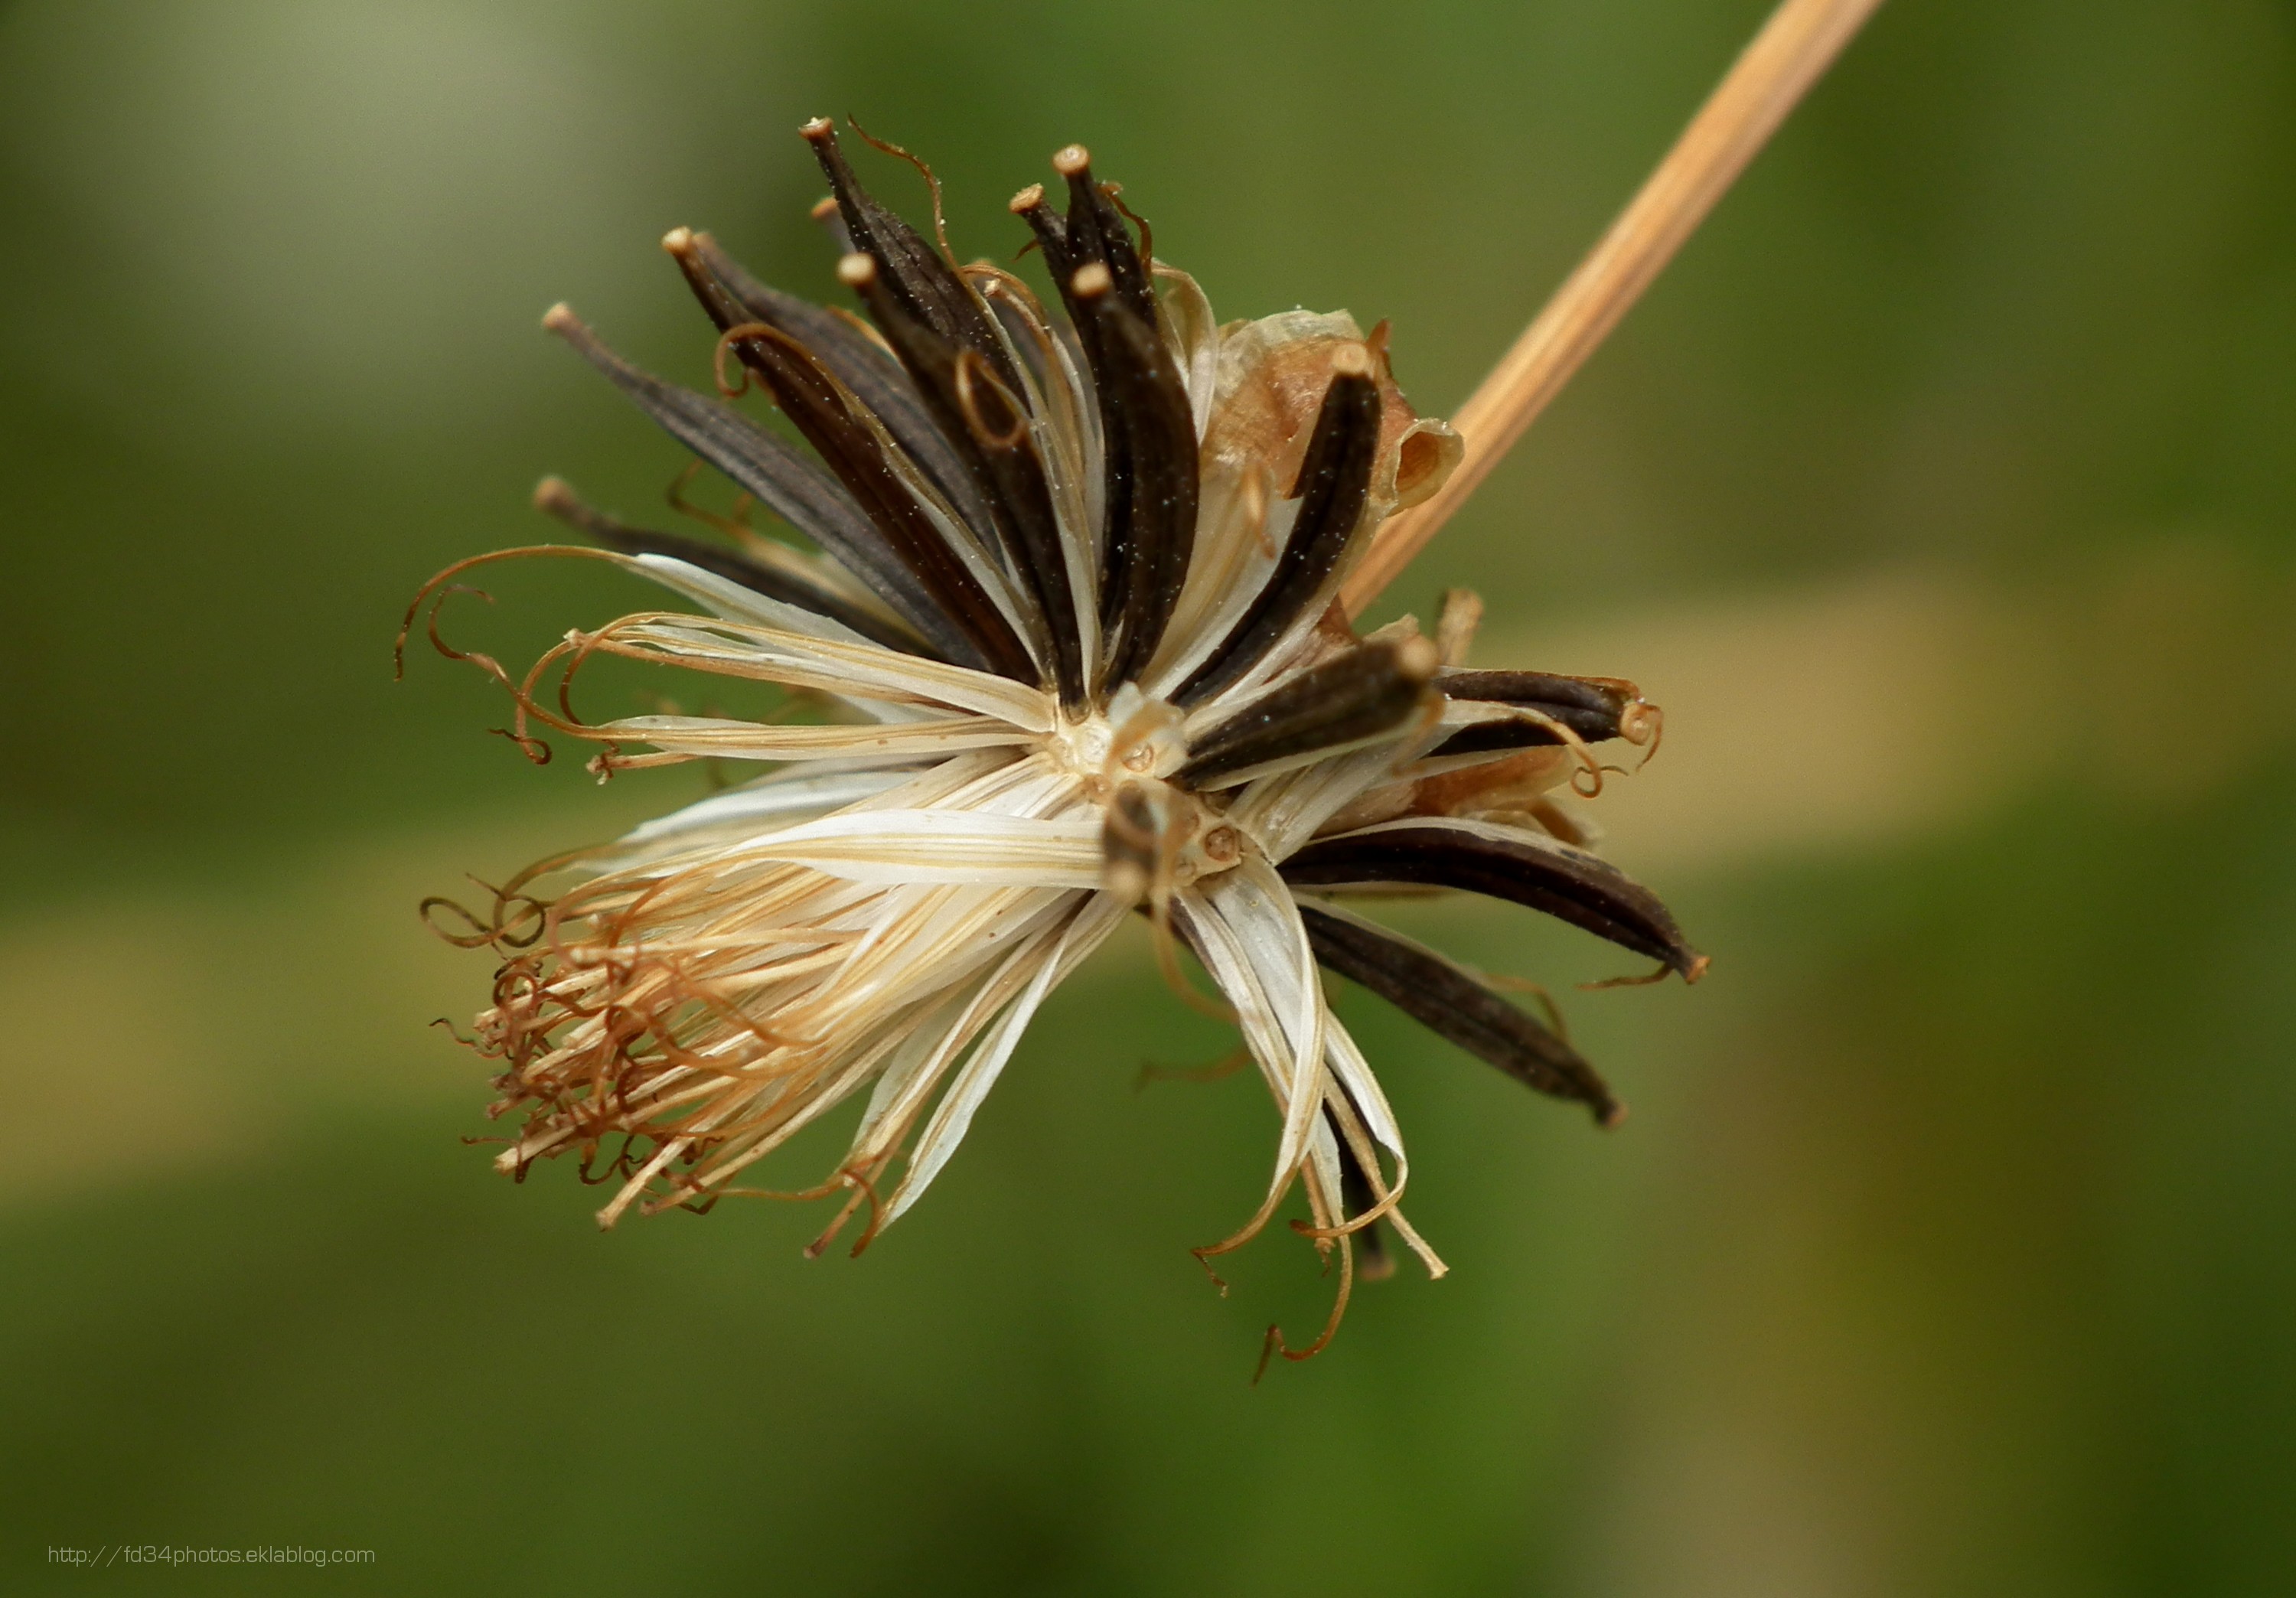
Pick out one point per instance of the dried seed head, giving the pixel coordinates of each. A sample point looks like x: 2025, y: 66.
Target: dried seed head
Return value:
x: 1072, y: 614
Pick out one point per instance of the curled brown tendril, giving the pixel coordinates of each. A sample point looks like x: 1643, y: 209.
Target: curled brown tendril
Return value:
x: 515, y: 922
x: 886, y: 146
x: 1115, y: 192
x: 741, y: 333
x: 439, y: 579
x: 734, y: 525
x: 1273, y: 1343
x: 968, y: 362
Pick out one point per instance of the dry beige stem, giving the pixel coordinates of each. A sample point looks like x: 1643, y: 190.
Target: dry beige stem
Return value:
x: 1793, y: 49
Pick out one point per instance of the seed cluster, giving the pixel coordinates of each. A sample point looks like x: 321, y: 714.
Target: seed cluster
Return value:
x: 1067, y: 588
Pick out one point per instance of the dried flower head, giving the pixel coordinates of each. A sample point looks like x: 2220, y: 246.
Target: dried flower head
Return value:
x: 1068, y: 638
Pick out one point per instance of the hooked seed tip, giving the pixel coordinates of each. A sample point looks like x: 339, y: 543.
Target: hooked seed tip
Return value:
x: 824, y: 208
x: 1350, y: 360
x: 857, y: 270
x: 560, y: 318
x: 818, y: 130
x: 553, y: 491
x: 1092, y: 281
x: 678, y: 240
x: 1027, y: 200
x: 1069, y: 160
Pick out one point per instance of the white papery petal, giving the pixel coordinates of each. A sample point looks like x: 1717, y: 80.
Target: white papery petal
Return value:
x: 951, y: 780
x: 1193, y: 335
x: 1259, y: 907
x: 1282, y: 812
x: 730, y: 600
x: 1033, y: 785
x: 909, y: 1076
x: 869, y: 670
x: 959, y: 848
x: 1068, y: 449
x: 1256, y: 948
x: 816, y: 1100
x: 967, y: 934
x: 996, y: 578
x: 769, y: 803
x: 953, y: 1117
x: 896, y: 1104
x: 1242, y: 527
x: 705, y: 736
x: 1345, y: 1058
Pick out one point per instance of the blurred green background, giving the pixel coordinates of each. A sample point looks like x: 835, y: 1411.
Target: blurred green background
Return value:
x: 1942, y: 491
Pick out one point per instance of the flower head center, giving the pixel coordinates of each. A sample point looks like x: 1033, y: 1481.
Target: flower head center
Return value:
x: 1156, y: 835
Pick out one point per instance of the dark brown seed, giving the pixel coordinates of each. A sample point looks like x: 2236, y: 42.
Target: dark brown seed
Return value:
x: 1097, y: 231
x: 1150, y: 535
x: 1567, y: 883
x: 1052, y: 233
x: 1455, y: 1006
x: 988, y: 429
x: 558, y: 499
x: 1062, y: 261
x: 1590, y: 708
x: 841, y: 435
x: 731, y: 296
x: 1051, y: 240
x: 925, y: 286
x: 832, y: 515
x: 1367, y: 692
x: 1333, y: 483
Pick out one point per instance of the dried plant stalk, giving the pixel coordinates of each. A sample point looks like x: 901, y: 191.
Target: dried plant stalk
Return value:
x: 1792, y: 51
